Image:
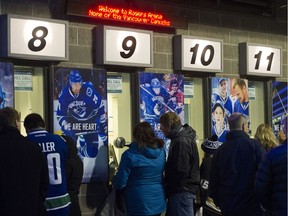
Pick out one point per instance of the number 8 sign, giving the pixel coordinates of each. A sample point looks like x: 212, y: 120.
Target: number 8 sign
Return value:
x: 34, y: 39
x: 197, y: 54
x: 122, y: 46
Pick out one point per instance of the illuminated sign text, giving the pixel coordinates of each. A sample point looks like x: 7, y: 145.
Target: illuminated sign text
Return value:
x: 128, y: 15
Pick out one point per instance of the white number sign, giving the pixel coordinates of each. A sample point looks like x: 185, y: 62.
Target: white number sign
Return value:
x: 197, y: 54
x: 260, y: 60
x: 124, y: 47
x: 40, y: 39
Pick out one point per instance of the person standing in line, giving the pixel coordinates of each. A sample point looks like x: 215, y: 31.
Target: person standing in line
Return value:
x: 182, y: 175
x: 281, y: 136
x: 233, y: 171
x: 74, y: 174
x: 271, y: 179
x: 140, y: 173
x: 266, y: 137
x: 54, y: 150
x: 23, y: 170
x: 210, y: 147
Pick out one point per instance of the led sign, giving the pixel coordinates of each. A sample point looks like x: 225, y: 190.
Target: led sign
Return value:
x: 113, y: 13
x: 128, y: 15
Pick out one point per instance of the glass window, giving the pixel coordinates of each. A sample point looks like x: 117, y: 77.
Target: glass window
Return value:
x: 119, y: 110
x: 29, y: 100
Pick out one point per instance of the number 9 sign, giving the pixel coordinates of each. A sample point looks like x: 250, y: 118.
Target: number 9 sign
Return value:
x: 197, y: 54
x: 35, y: 39
x: 122, y: 46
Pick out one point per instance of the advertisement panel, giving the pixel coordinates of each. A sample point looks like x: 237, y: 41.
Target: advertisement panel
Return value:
x: 279, y: 106
x: 160, y: 93
x: 6, y: 84
x: 228, y: 96
x: 80, y: 111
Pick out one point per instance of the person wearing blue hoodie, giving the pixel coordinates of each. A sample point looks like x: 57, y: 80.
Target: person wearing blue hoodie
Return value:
x: 140, y: 173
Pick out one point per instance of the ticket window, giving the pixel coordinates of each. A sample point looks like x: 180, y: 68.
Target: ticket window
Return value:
x: 29, y: 92
x: 194, y: 109
x: 256, y: 105
x: 119, y: 111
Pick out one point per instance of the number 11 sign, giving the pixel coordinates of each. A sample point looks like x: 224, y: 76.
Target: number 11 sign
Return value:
x: 259, y: 60
x: 197, y: 54
x: 122, y: 46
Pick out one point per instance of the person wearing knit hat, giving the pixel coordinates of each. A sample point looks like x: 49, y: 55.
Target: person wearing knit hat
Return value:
x: 210, y: 147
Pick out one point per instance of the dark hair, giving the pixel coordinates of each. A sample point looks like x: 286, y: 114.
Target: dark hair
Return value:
x: 8, y: 117
x: 218, y: 105
x: 33, y: 121
x: 145, y: 136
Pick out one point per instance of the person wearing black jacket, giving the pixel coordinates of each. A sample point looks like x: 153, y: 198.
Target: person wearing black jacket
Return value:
x: 271, y: 179
x: 23, y: 170
x: 182, y: 177
x: 74, y: 174
x: 233, y: 171
x: 210, y: 147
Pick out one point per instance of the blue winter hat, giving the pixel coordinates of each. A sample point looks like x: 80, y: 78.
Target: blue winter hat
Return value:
x: 211, y: 145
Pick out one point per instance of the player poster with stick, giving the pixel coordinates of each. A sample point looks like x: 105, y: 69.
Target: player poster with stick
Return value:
x: 6, y: 84
x: 158, y: 94
x: 80, y: 111
x: 280, y: 106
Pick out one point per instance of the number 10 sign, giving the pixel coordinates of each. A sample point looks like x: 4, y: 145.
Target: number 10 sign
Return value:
x: 197, y: 54
x: 123, y: 46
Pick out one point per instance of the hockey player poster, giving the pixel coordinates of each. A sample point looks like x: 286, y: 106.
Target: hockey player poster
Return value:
x: 228, y: 96
x: 80, y: 104
x: 6, y: 84
x: 280, y: 106
x: 160, y: 93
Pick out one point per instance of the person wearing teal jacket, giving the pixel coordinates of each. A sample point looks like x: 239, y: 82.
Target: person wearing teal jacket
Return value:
x: 140, y: 173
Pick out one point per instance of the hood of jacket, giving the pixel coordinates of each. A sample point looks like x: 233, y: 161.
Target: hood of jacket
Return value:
x: 182, y: 131
x: 146, y: 151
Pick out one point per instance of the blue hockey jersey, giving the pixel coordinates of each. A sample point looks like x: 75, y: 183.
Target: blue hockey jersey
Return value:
x: 241, y: 107
x: 54, y: 149
x: 83, y: 110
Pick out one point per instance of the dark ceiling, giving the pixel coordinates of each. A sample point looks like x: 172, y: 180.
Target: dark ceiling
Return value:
x: 275, y: 9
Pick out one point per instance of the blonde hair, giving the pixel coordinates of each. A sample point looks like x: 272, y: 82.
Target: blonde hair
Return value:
x: 266, y: 137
